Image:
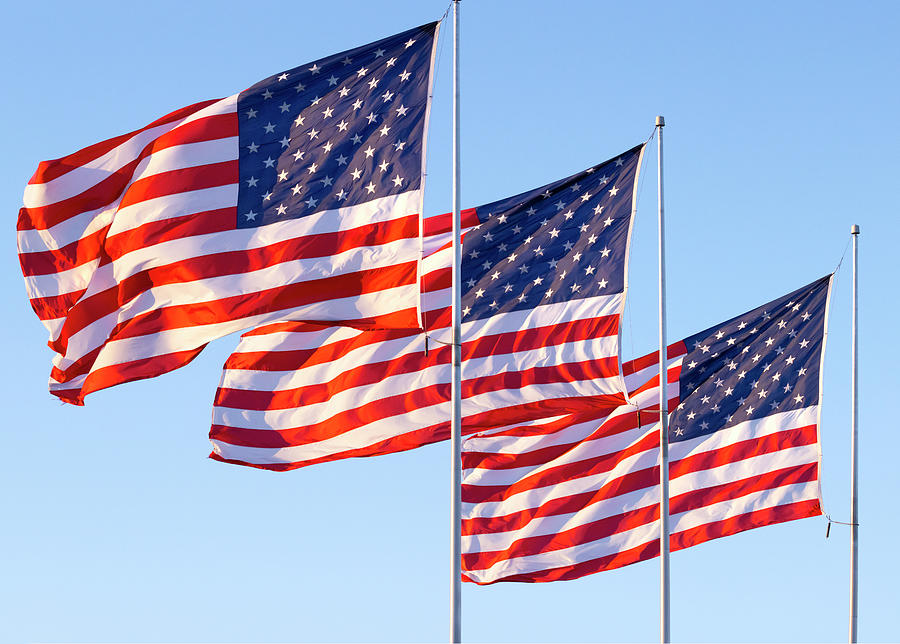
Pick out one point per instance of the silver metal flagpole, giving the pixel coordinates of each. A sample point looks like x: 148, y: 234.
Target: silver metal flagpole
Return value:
x: 455, y: 389
x: 854, y: 460
x: 664, y: 409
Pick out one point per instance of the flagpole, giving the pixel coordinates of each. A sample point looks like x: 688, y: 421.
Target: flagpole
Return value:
x: 663, y: 407
x: 854, y: 460
x: 455, y: 388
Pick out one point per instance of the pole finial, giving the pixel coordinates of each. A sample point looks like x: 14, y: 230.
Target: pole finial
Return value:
x: 660, y: 121
x: 854, y: 229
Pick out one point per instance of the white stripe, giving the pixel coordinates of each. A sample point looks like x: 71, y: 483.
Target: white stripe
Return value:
x: 544, y: 315
x: 89, y: 174
x: 584, y: 450
x: 354, y: 439
x: 184, y: 339
x: 762, y: 500
x: 312, y: 413
x: 743, y: 469
x: 568, y: 556
x: 554, y: 524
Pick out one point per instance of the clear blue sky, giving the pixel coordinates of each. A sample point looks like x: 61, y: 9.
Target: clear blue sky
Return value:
x: 782, y: 132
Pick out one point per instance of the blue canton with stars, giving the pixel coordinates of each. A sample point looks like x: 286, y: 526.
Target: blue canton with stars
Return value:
x: 341, y: 131
x: 564, y: 241
x: 755, y: 365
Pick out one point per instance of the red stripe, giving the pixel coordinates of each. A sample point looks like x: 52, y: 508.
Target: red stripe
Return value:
x: 443, y: 224
x: 742, y: 522
x: 297, y: 359
x: 126, y: 372
x: 55, y: 306
x: 49, y: 170
x: 742, y: 450
x: 171, y: 182
x: 673, y: 351
x: 106, y: 191
x: 735, y: 489
x: 100, y: 304
x: 567, y: 472
x: 567, y: 372
x: 541, y: 337
x: 400, y: 443
x: 342, y: 421
x: 580, y: 535
x: 367, y: 374
x: 275, y: 299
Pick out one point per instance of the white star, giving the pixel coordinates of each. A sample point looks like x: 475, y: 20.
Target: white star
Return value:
x: 298, y: 155
x: 312, y: 168
x: 267, y: 95
x: 362, y: 72
x: 379, y: 53
x: 357, y: 104
x: 327, y: 181
x: 284, y: 107
x: 300, y: 87
x: 398, y: 180
x: 384, y: 165
x: 404, y: 76
x: 283, y: 76
x: 605, y: 252
x: 251, y: 182
x: 798, y: 398
x: 373, y: 83
x: 281, y: 209
x: 285, y: 142
x: 312, y: 202
x: 602, y: 283
x: 806, y: 316
x: 409, y: 43
x: 270, y: 162
x: 269, y: 128
x: 619, y: 162
x: 315, y: 101
x: 370, y: 187
x: 479, y: 293
x: 554, y: 233
x: 315, y: 69
x: 371, y: 117
x: 401, y: 111
x: 251, y: 216
x: 589, y: 270
x: 342, y: 160
x: 327, y: 147
x: 328, y: 111
x: 313, y: 133
x: 342, y: 194
x: 356, y: 138
x: 466, y: 310
x: 390, y: 62
x: 299, y: 120
x: 802, y: 371
x: 369, y: 151
x: 343, y: 92
x: 614, y: 191
x: 384, y: 130
x: 387, y: 96
x: 729, y: 391
x: 297, y: 189
x: 332, y: 80
x: 267, y: 196
x: 575, y: 287
x: 251, y: 113
x: 356, y: 172
x: 283, y: 175
x: 253, y: 147
x: 399, y: 145
x: 803, y: 343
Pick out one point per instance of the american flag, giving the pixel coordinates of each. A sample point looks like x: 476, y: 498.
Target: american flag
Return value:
x: 543, y: 290
x: 299, y: 196
x: 563, y: 497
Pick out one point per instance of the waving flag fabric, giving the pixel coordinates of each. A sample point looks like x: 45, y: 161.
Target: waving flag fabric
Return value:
x: 544, y: 281
x: 564, y: 497
x: 299, y: 196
